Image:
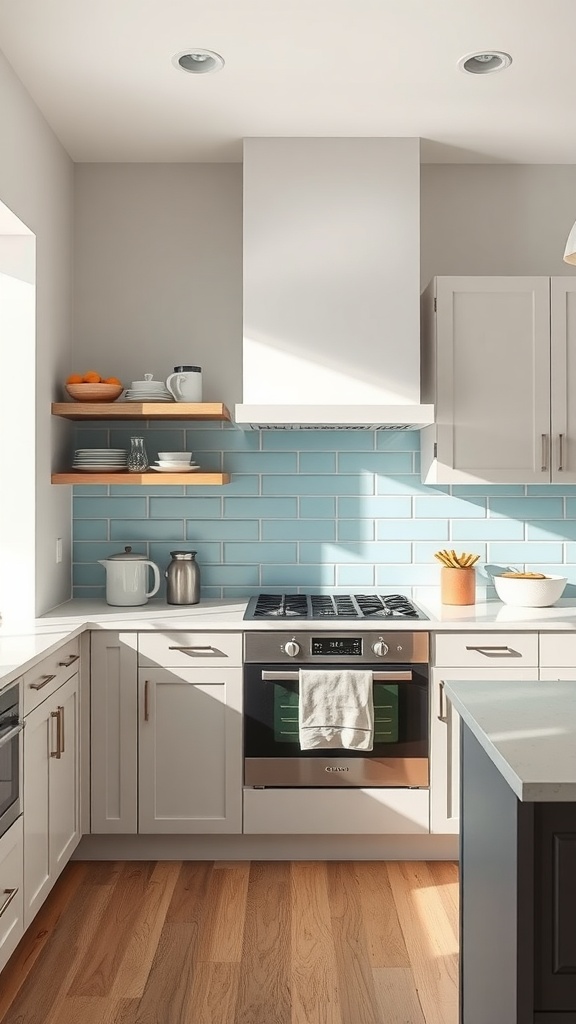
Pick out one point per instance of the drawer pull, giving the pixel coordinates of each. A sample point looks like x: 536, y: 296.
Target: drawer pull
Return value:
x: 196, y: 650
x: 442, y: 716
x: 496, y: 652
x: 9, y: 894
x: 146, y: 707
x: 43, y: 682
x: 69, y: 661
x: 58, y: 752
x: 61, y: 713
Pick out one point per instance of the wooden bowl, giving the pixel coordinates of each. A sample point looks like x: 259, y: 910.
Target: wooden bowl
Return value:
x: 94, y: 392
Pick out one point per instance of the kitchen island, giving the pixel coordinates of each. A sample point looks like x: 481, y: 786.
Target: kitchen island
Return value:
x: 517, y: 851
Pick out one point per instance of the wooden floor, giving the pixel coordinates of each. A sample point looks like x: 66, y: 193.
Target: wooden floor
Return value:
x: 240, y: 943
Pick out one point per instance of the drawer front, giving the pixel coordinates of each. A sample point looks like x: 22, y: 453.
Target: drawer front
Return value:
x: 558, y: 650
x: 40, y: 682
x: 11, y: 891
x: 486, y: 650
x: 185, y: 650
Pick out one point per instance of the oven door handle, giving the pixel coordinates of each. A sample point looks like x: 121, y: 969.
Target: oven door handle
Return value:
x: 378, y: 677
x: 11, y: 734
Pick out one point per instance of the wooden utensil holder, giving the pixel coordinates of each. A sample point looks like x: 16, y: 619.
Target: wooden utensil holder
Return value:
x: 458, y: 586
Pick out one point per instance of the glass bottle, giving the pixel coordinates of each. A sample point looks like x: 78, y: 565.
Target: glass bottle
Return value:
x: 137, y: 457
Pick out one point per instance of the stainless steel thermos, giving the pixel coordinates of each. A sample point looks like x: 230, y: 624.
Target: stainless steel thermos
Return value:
x: 183, y: 578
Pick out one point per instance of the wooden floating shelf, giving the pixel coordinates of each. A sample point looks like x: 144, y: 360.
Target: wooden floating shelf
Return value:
x: 141, y: 411
x: 147, y: 479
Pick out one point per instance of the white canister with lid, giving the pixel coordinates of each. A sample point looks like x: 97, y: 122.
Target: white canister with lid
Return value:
x: 185, y: 384
x: 127, y: 578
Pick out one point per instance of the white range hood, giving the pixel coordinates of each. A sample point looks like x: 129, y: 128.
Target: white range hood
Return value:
x: 332, y: 285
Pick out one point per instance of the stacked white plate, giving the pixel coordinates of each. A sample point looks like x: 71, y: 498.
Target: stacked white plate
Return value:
x: 100, y: 460
x: 165, y: 466
x: 148, y: 390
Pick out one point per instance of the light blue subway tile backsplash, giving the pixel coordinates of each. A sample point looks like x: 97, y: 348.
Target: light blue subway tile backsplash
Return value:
x: 312, y: 509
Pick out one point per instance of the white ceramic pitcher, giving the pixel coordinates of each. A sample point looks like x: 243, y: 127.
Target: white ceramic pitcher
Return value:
x: 127, y: 578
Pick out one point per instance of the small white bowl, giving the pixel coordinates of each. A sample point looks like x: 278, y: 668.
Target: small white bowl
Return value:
x: 530, y: 593
x: 175, y: 456
x: 171, y: 464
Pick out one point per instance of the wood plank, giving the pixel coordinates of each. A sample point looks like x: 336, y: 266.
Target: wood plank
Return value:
x: 430, y: 940
x: 168, y: 991
x: 39, y: 934
x: 187, y: 903
x: 97, y: 1010
x: 314, y: 979
x: 445, y: 875
x: 148, y: 479
x: 214, y: 994
x: 136, y: 962
x: 263, y: 993
x: 397, y: 996
x: 385, y: 941
x: 96, y: 972
x: 41, y: 996
x: 141, y: 410
x: 356, y: 983
x: 223, y: 931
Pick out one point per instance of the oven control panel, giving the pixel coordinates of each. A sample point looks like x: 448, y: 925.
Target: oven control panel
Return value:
x: 345, y: 647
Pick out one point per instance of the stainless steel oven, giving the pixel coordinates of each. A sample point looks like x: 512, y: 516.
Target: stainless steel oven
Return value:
x: 10, y: 757
x: 400, y: 678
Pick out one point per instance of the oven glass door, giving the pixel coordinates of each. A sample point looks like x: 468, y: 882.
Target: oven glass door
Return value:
x: 272, y: 752
x: 10, y: 730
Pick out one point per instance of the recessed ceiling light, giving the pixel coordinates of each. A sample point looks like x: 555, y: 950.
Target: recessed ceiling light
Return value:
x: 485, y: 62
x: 198, y: 61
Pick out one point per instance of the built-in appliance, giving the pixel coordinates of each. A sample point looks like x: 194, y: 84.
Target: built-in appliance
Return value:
x: 10, y: 757
x: 327, y: 606
x: 399, y: 665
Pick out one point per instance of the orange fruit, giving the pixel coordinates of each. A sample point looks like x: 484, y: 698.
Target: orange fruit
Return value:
x: 91, y: 377
x: 74, y: 378
x: 113, y: 380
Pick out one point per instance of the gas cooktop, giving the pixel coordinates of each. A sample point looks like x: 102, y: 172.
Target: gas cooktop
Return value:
x: 339, y: 606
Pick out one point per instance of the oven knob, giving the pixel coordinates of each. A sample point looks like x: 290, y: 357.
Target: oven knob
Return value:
x: 291, y: 648
x: 380, y: 648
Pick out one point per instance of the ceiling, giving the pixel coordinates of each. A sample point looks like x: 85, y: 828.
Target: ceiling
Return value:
x: 101, y: 72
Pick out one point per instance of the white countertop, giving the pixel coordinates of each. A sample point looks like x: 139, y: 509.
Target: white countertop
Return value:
x: 23, y: 646
x: 528, y: 729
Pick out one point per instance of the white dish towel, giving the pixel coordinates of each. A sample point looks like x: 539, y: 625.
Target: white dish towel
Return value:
x: 336, y: 709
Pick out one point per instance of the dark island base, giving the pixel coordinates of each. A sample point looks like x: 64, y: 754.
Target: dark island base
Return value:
x: 517, y: 901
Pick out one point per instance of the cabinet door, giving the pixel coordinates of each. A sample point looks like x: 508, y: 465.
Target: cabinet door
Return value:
x: 190, y: 751
x: 51, y: 793
x: 11, y: 891
x: 64, y: 783
x: 445, y: 743
x: 114, y: 733
x: 563, y: 387
x: 492, y: 380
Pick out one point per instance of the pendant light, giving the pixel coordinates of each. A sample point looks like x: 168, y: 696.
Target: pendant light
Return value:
x: 570, y: 251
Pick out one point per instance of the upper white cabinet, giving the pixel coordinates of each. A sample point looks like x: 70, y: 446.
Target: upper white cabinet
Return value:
x: 499, y: 365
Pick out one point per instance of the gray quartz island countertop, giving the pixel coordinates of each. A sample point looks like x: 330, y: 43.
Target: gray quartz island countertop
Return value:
x: 528, y: 730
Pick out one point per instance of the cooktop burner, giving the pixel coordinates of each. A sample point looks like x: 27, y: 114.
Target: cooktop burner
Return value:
x: 325, y: 606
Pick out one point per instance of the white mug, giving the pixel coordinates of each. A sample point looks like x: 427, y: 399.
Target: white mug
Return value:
x: 185, y: 384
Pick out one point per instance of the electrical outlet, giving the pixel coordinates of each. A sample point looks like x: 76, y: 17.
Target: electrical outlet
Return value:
x: 58, y: 549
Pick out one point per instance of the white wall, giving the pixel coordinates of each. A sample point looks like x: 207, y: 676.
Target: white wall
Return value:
x: 158, y: 260
x: 495, y: 219
x: 36, y: 183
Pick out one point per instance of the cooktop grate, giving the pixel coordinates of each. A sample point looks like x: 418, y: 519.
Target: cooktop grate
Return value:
x: 327, y: 606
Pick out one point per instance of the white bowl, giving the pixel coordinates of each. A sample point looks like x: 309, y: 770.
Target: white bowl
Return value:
x: 171, y: 464
x: 175, y: 456
x: 530, y: 593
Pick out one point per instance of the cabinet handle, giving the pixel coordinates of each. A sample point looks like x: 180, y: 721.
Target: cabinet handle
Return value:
x: 9, y: 894
x: 560, y: 452
x: 442, y: 717
x: 61, y: 713
x: 58, y: 752
x: 146, y: 707
x: 545, y: 447
x: 69, y: 661
x: 195, y: 650
x: 44, y: 682
x: 378, y: 677
x: 496, y: 652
